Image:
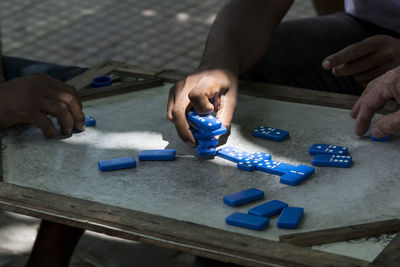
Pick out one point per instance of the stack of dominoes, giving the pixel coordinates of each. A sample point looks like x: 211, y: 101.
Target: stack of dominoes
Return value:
x: 261, y: 161
x: 205, y: 128
x: 257, y: 218
x: 330, y: 156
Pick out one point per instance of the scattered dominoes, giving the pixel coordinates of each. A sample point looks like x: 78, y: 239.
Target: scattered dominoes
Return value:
x: 274, y: 167
x: 116, y: 164
x: 157, y: 154
x: 328, y: 149
x: 89, y: 121
x: 204, y: 129
x: 290, y: 217
x: 328, y: 160
x: 297, y: 175
x: 243, y: 197
x: 270, y: 133
x: 268, y: 209
x: 247, y: 221
x: 382, y: 139
x: 246, y: 164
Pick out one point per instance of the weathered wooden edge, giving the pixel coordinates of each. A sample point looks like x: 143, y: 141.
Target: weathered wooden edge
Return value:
x: 136, y: 225
x: 342, y: 233
x: 390, y: 256
x: 119, y: 89
x: 83, y: 80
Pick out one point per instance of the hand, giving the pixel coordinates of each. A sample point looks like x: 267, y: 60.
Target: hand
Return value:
x: 205, y: 91
x: 365, y: 60
x: 377, y: 93
x: 31, y: 98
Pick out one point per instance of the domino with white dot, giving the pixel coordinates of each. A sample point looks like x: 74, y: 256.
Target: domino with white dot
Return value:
x: 328, y: 149
x: 203, y: 123
x: 232, y: 154
x: 326, y: 160
x: 270, y: 133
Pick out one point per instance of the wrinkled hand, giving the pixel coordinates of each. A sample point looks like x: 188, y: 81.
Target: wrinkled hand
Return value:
x: 365, y: 60
x: 30, y: 98
x: 205, y: 91
x: 377, y: 93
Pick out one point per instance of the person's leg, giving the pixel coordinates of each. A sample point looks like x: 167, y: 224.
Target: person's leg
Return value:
x: 14, y: 67
x: 55, y: 242
x: 54, y: 245
x: 298, y: 48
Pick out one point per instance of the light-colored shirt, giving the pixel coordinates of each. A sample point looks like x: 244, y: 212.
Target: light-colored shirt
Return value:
x: 384, y: 13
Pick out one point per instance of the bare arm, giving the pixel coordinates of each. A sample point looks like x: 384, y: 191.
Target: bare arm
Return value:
x: 241, y: 33
x: 238, y: 38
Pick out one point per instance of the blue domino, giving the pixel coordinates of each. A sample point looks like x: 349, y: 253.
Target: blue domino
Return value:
x: 268, y: 209
x: 246, y: 164
x: 101, y: 81
x: 382, y: 139
x: 157, y: 154
x: 232, y: 154
x: 206, y: 151
x: 116, y: 164
x: 207, y: 142
x: 207, y: 123
x: 270, y: 133
x: 243, y: 197
x: 297, y: 175
x: 290, y: 217
x: 258, y: 156
x: 89, y: 121
x: 274, y: 167
x: 208, y: 135
x: 328, y: 149
x: 327, y: 160
x: 247, y: 221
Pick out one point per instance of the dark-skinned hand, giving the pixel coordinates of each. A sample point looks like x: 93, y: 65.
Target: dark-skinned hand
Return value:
x: 30, y: 99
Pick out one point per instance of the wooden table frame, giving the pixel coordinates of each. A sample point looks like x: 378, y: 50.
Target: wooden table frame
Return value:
x: 197, y: 239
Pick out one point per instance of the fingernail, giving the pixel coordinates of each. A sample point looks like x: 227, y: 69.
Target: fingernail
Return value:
x: 82, y: 127
x: 326, y: 64
x: 190, y: 144
x: 376, y: 132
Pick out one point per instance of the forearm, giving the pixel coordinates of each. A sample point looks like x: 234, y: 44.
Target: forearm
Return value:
x: 241, y: 33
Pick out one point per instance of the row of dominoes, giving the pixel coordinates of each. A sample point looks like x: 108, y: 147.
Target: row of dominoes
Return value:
x: 130, y: 162
x: 261, y: 161
x: 330, y: 156
x: 257, y: 218
x: 205, y: 128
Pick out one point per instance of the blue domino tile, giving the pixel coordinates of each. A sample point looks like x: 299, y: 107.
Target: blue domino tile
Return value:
x: 382, y: 139
x: 232, y: 154
x: 89, y: 121
x: 258, y: 156
x: 246, y: 164
x: 268, y: 209
x: 247, y: 221
x: 327, y: 160
x: 198, y: 135
x: 328, y: 149
x: 212, y: 142
x: 203, y: 122
x: 206, y: 151
x: 274, y: 167
x: 243, y: 197
x: 297, y: 175
x: 290, y: 217
x: 270, y: 133
x: 157, y: 154
x: 116, y: 164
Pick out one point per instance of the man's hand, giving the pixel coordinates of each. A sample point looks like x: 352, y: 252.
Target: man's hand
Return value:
x: 377, y: 93
x: 367, y: 59
x: 31, y: 98
x: 205, y: 91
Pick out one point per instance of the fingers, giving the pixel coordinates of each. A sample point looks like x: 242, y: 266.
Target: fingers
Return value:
x: 387, y: 125
x: 182, y: 126
x: 358, y: 66
x: 201, y: 94
x: 369, y: 75
x: 372, y: 101
x: 171, y: 98
x: 61, y: 112
x: 229, y: 101
x: 350, y: 53
x: 43, y: 123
